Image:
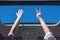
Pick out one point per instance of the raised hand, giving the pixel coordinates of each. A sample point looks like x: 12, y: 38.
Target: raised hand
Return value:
x: 19, y: 13
x: 38, y: 15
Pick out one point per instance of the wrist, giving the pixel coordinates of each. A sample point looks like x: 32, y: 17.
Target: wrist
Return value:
x: 39, y: 18
x: 18, y: 18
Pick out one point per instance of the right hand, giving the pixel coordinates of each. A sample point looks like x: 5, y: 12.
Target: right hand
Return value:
x: 38, y: 15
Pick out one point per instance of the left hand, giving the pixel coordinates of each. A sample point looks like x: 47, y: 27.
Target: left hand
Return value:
x: 19, y: 13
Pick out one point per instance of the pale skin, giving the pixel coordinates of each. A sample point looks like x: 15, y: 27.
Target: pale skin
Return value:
x: 44, y: 26
x: 19, y: 15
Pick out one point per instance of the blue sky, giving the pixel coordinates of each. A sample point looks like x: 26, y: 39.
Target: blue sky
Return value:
x: 50, y: 14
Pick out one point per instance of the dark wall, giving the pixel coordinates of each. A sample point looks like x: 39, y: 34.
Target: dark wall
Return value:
x: 29, y: 0
x: 29, y: 31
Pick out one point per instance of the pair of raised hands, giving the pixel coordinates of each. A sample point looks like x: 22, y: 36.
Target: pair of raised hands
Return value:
x: 20, y: 13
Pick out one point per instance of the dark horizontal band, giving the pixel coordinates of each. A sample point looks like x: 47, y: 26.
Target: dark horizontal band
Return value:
x: 29, y: 2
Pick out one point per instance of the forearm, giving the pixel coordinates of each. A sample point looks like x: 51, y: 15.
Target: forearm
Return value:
x: 14, y: 26
x: 19, y: 14
x: 44, y: 26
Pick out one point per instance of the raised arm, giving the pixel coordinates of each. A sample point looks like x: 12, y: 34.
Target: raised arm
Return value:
x: 48, y: 34
x: 44, y: 26
x: 19, y: 14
